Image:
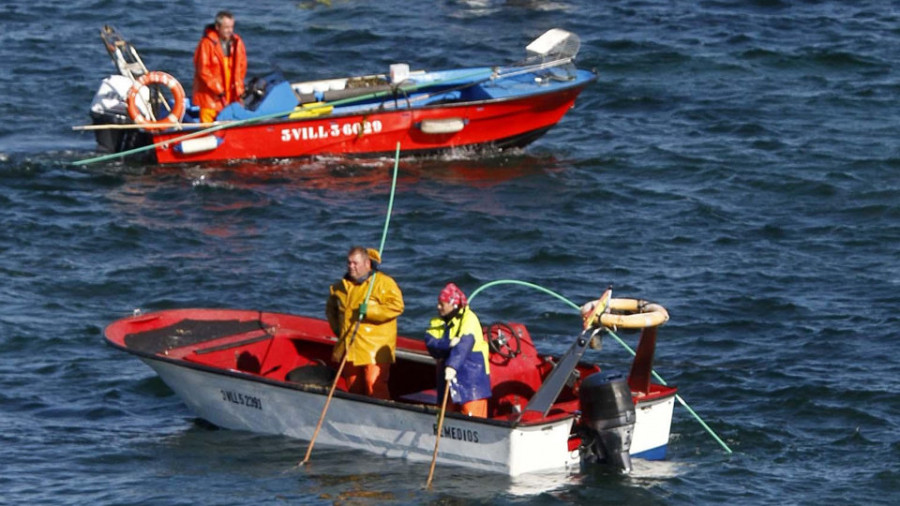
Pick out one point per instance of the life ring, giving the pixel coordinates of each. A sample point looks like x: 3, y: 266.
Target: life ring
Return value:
x: 156, y: 77
x: 631, y: 314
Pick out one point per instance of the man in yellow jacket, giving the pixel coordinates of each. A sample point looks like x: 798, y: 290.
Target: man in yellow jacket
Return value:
x: 369, y: 328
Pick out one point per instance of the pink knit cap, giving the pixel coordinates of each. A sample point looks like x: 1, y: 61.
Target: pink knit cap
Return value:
x: 452, y: 294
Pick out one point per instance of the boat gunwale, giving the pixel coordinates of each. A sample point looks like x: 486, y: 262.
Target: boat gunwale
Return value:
x: 183, y: 128
x: 314, y: 389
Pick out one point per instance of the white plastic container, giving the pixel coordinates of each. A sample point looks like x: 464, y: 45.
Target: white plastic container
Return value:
x: 199, y: 144
x: 399, y: 72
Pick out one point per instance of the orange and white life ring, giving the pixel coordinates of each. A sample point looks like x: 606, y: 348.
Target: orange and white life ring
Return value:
x: 156, y: 77
x: 630, y: 313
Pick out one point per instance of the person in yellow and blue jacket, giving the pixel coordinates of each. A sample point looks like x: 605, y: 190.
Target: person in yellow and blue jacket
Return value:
x: 456, y: 340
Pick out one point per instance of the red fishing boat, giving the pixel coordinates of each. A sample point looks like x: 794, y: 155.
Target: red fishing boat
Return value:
x: 424, y: 112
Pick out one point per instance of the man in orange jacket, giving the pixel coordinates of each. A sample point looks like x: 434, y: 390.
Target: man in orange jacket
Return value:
x: 220, y: 65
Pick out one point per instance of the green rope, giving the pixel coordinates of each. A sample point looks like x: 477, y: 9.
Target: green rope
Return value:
x: 613, y: 334
x: 387, y: 222
x: 362, y: 314
x: 677, y: 396
x: 522, y: 283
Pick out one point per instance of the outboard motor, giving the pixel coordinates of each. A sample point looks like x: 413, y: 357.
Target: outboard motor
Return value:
x: 608, y: 410
x: 109, y: 107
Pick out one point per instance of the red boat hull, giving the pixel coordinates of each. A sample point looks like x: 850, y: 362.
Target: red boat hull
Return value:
x: 500, y: 123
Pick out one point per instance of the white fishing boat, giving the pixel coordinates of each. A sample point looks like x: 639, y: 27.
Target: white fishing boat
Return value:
x: 269, y: 373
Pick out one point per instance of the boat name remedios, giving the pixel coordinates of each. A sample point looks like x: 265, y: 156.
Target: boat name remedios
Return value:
x: 242, y: 399
x: 468, y: 435
x: 314, y: 132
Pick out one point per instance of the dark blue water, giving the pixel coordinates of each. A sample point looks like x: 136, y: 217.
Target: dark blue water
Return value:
x: 736, y: 161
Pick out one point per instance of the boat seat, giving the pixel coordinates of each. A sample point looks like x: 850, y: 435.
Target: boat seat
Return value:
x: 279, y: 99
x: 248, y: 362
x: 515, y: 380
x: 423, y: 397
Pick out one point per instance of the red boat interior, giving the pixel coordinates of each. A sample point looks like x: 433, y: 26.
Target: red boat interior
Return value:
x: 296, y: 349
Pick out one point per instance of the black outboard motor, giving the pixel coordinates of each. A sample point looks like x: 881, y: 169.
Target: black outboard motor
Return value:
x: 607, y: 410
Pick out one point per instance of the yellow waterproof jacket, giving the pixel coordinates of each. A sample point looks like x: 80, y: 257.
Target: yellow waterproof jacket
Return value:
x: 376, y: 338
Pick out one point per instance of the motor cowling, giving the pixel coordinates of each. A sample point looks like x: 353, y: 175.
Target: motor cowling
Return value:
x: 109, y: 107
x: 607, y: 412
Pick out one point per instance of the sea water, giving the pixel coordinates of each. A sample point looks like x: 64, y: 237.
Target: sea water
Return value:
x: 736, y: 162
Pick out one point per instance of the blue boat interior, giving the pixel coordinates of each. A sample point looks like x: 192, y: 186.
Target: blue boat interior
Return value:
x: 272, y: 96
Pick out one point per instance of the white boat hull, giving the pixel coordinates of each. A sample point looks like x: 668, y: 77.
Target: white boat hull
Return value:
x: 239, y: 401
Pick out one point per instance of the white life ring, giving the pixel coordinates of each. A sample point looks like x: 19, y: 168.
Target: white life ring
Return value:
x: 156, y: 77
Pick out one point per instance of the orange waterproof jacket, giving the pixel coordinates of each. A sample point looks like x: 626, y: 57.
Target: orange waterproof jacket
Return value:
x: 376, y: 338
x: 210, y: 72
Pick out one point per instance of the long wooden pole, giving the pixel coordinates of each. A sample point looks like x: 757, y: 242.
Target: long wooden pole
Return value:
x: 437, y: 439
x: 334, y: 383
x: 133, y: 126
x: 361, y: 316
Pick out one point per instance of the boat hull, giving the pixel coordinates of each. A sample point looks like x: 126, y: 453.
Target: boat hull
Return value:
x: 404, y: 431
x: 238, y: 401
x: 499, y: 124
x: 268, y: 373
x: 651, y: 432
